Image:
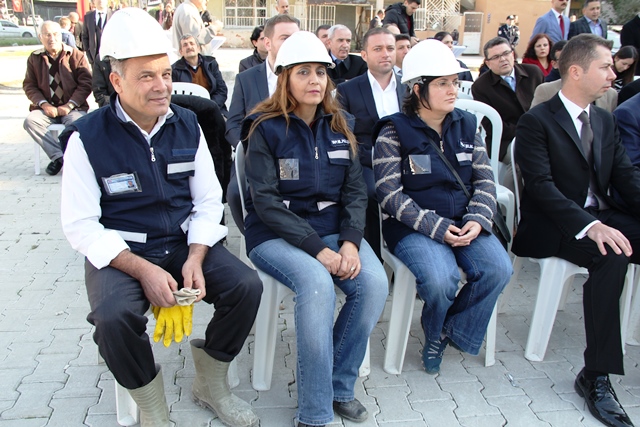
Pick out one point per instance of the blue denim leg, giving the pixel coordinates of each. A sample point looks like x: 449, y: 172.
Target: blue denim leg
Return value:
x: 462, y: 318
x: 322, y: 373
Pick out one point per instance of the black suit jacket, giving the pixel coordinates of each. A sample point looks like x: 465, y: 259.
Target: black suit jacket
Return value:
x: 250, y: 89
x: 351, y: 67
x: 581, y: 26
x: 89, y: 40
x: 356, y: 98
x: 491, y: 89
x: 556, y: 175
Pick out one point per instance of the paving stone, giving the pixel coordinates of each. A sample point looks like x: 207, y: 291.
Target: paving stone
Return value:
x: 483, y: 421
x: 516, y: 410
x: 561, y: 374
x: 33, y: 401
x: 33, y: 422
x: 519, y: 367
x: 542, y: 395
x: 51, y: 368
x: 424, y: 387
x: 469, y: 399
x: 70, y: 412
x: 394, y: 405
x: 495, y: 381
x: 437, y: 413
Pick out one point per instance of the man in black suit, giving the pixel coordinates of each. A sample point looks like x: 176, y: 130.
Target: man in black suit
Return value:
x: 369, y: 97
x: 94, y: 22
x: 570, y: 156
x: 590, y: 22
x: 253, y: 86
x: 508, y: 87
x: 347, y: 66
x: 76, y: 28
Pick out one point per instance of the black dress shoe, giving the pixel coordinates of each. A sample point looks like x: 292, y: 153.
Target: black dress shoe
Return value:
x: 54, y: 167
x: 602, y: 400
x: 353, y: 410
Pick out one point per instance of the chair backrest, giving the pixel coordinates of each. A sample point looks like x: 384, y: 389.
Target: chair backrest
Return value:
x: 241, y: 176
x: 183, y: 88
x: 482, y: 110
x: 516, y: 181
x: 465, y: 90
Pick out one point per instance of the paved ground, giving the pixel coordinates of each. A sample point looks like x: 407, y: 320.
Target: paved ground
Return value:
x: 50, y: 376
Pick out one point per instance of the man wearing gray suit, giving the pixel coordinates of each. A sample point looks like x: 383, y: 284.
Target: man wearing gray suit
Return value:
x: 553, y: 23
x: 590, y: 21
x: 252, y: 87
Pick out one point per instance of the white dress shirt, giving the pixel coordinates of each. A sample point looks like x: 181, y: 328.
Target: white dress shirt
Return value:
x: 575, y: 111
x: 386, y: 99
x: 80, y: 201
x: 272, y: 79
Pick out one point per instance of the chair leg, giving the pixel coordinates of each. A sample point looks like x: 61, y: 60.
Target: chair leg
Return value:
x: 365, y: 367
x: 546, y: 307
x: 506, y: 292
x: 36, y: 157
x: 126, y: 408
x: 490, y: 350
x: 403, y: 301
x: 266, y: 333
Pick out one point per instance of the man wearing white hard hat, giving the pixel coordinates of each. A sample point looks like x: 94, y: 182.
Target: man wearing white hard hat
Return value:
x: 304, y: 226
x: 141, y: 201
x: 435, y: 182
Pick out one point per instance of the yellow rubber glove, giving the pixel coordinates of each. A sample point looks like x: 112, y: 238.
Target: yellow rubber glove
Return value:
x: 170, y: 324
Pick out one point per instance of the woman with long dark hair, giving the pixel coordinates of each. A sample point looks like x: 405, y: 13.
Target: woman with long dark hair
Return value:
x: 624, y: 65
x: 304, y: 226
x: 537, y: 53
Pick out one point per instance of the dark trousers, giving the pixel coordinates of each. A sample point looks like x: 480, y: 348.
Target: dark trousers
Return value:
x: 118, y: 305
x: 372, y: 224
x: 602, y: 290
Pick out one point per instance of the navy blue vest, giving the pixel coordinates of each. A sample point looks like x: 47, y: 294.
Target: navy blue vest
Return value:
x: 425, y: 177
x: 162, y: 170
x: 304, y: 180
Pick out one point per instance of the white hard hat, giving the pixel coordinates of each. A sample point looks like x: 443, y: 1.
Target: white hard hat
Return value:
x: 132, y: 32
x: 302, y: 47
x: 429, y: 58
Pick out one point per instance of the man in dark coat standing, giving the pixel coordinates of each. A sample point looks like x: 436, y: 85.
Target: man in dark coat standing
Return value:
x: 630, y: 35
x: 401, y: 14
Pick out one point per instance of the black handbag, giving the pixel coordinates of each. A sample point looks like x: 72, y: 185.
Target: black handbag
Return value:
x: 499, y: 228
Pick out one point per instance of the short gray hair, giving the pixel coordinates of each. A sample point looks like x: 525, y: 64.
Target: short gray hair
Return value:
x: 337, y: 27
x: 117, y: 65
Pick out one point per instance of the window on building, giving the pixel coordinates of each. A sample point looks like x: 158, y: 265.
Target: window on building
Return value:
x: 245, y: 13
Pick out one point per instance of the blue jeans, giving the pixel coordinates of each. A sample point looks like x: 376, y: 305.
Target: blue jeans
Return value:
x: 462, y: 318
x: 328, y: 356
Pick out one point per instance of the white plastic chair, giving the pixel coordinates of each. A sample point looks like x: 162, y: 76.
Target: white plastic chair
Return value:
x: 504, y: 196
x: 183, y: 88
x: 266, y: 324
x: 556, y: 276
x: 465, y: 90
x: 402, y: 304
x: 127, y: 413
x: 54, y: 130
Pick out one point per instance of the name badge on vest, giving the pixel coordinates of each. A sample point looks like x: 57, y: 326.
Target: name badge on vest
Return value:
x: 417, y: 164
x: 122, y: 183
x: 289, y: 169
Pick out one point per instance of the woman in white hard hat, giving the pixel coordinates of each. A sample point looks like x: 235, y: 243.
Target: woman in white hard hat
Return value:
x: 436, y: 221
x: 304, y: 226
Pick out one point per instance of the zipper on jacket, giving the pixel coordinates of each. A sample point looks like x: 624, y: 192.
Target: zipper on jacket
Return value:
x: 153, y: 155
x: 317, y: 150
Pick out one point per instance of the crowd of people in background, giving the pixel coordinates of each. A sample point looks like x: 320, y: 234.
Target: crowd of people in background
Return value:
x: 429, y: 173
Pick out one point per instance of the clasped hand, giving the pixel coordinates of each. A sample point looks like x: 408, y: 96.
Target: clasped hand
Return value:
x: 456, y: 237
x: 345, y: 263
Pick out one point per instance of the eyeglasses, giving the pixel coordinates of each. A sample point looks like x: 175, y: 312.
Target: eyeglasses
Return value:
x: 504, y: 54
x: 444, y: 84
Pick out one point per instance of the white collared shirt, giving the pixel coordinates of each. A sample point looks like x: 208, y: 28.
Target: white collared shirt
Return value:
x: 104, y: 17
x: 386, y: 100
x: 80, y: 201
x: 574, y: 111
x: 272, y: 79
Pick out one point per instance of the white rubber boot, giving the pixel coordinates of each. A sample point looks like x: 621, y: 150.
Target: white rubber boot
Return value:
x: 210, y: 390
x: 152, y: 403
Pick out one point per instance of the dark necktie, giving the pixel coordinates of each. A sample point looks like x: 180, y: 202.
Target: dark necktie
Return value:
x: 586, y: 138
x: 561, y: 27
x: 98, y: 36
x: 99, y: 25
